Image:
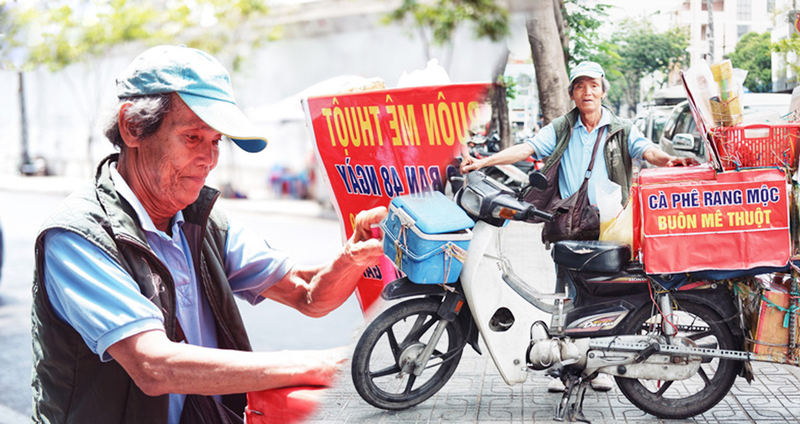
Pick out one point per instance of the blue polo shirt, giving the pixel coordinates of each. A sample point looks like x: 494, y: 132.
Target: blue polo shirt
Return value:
x: 93, y: 293
x: 576, y: 158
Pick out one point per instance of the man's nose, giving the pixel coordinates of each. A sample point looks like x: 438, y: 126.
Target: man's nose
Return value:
x: 207, y: 154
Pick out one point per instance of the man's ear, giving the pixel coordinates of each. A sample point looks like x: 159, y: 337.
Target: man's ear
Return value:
x: 129, y: 133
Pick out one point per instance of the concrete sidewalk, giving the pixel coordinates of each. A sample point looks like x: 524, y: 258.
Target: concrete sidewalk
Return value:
x: 476, y: 393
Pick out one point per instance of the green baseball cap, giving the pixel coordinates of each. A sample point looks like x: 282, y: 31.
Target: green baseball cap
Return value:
x: 201, y: 82
x: 586, y: 69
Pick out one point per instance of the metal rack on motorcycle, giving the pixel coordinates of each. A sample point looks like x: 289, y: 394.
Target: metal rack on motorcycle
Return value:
x: 757, y: 145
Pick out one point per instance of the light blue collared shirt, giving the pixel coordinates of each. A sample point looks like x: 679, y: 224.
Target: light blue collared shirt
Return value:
x: 93, y: 293
x: 576, y: 158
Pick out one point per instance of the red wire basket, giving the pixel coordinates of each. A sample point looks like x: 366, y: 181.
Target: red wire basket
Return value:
x: 757, y: 145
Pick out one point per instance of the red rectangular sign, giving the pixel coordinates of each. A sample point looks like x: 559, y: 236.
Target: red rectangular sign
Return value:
x: 377, y: 145
x: 739, y: 220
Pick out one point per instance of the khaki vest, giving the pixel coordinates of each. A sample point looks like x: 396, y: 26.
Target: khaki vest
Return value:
x: 70, y: 383
x: 618, y: 159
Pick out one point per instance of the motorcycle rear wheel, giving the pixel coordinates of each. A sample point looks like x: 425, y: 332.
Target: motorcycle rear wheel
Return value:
x: 397, y: 335
x: 696, y: 395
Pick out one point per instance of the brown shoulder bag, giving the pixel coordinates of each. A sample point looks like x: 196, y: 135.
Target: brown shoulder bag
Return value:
x: 573, y: 218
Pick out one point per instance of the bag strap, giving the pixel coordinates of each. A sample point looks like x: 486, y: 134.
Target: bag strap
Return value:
x: 594, y: 154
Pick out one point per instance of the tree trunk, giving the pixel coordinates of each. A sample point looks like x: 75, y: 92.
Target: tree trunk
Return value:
x: 500, y: 104
x: 630, y: 97
x: 563, y: 27
x: 548, y: 60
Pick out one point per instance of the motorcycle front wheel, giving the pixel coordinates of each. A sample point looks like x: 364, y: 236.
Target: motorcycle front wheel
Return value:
x: 396, y: 337
x: 696, y: 395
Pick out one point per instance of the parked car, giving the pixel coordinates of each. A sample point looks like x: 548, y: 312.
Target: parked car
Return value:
x: 681, y: 138
x: 653, y: 115
x: 652, y: 120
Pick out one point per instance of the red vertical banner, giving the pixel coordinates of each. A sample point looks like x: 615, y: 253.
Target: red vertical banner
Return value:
x: 377, y: 145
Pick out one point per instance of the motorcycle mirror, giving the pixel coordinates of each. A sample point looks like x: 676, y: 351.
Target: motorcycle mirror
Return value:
x: 538, y: 180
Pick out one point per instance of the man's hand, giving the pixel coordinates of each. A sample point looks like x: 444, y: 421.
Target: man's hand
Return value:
x: 362, y: 248
x: 469, y: 163
x: 655, y: 156
x: 506, y: 156
x: 676, y: 161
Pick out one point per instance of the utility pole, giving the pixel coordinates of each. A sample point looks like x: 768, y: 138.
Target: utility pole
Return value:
x: 25, y: 158
x: 710, y: 32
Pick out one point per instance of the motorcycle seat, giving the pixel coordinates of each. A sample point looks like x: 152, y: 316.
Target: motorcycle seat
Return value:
x: 591, y: 255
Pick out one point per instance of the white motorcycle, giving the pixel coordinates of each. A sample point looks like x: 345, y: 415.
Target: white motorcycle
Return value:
x: 674, y: 354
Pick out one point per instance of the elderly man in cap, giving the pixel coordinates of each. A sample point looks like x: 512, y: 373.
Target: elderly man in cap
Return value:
x: 572, y: 138
x: 134, y: 318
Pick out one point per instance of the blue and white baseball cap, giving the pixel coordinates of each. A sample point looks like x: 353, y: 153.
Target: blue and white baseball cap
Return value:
x: 201, y: 82
x: 586, y: 69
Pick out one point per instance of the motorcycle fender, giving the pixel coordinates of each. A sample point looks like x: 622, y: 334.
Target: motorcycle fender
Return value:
x: 468, y: 323
x: 718, y: 298
x: 487, y: 293
x: 403, y: 288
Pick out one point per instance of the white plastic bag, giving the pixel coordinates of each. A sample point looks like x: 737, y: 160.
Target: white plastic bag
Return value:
x: 609, y: 201
x: 433, y: 74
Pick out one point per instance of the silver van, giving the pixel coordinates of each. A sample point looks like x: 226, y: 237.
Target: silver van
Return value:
x: 681, y: 138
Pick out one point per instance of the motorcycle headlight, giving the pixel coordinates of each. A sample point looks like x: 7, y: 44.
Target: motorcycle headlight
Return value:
x: 470, y: 201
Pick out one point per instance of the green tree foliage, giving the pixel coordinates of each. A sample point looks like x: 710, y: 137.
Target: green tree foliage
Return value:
x: 585, y: 42
x: 436, y: 21
x: 9, y: 29
x: 788, y: 46
x: 753, y: 55
x: 61, y: 33
x: 639, y: 51
x: 56, y: 34
x: 228, y: 29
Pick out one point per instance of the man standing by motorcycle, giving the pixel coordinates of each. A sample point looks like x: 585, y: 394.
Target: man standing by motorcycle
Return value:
x: 571, y: 138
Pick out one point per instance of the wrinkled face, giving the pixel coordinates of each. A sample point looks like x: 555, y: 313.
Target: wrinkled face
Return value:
x: 587, y: 94
x: 175, y: 161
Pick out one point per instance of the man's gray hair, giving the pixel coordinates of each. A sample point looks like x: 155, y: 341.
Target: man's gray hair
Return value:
x: 145, y: 115
x: 606, y: 85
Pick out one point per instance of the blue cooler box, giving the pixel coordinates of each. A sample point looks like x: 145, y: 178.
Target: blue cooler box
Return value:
x: 427, y: 237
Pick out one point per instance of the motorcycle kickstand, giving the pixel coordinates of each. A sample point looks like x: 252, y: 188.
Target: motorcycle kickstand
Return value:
x: 576, y: 409
x: 572, y: 412
x: 561, y: 408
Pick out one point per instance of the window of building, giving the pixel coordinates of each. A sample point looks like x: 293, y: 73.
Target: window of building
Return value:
x: 744, y: 10
x: 742, y: 30
x: 718, y: 5
x: 770, y: 6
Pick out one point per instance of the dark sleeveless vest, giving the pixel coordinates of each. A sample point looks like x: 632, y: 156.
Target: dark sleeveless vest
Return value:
x: 618, y: 159
x: 70, y: 383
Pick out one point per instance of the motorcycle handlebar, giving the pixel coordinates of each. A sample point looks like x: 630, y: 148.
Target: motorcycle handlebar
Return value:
x: 533, y: 212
